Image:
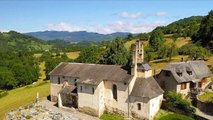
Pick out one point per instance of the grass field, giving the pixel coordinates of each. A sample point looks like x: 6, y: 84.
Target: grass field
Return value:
x: 167, y: 115
x: 162, y: 113
x: 181, y: 41
x: 206, y: 97
x: 73, y: 55
x: 111, y: 117
x: 22, y: 96
x: 159, y: 64
x: 175, y: 116
x: 25, y: 95
x: 129, y: 43
x: 37, y: 55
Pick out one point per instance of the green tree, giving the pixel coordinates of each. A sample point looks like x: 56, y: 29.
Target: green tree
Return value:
x: 175, y: 37
x: 205, y: 33
x: 194, y: 51
x: 172, y: 51
x: 149, y: 53
x: 90, y: 55
x: 143, y: 36
x: 21, y: 74
x: 7, y: 80
x: 156, y: 39
x: 115, y: 53
x: 130, y: 37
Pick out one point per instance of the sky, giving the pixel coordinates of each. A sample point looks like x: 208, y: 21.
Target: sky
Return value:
x: 101, y: 16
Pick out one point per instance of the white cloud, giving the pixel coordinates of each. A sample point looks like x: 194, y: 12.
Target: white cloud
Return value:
x: 3, y: 30
x: 140, y: 14
x: 117, y: 26
x: 161, y: 13
x: 131, y: 15
x: 63, y: 27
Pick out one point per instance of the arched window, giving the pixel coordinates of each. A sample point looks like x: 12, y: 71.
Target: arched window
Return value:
x: 81, y: 88
x: 93, y: 90
x: 58, y: 80
x: 114, y: 92
x: 139, y: 106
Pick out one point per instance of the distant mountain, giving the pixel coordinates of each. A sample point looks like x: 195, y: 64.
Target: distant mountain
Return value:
x: 14, y: 41
x: 77, y: 36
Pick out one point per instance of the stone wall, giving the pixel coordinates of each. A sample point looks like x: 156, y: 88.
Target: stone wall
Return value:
x: 206, y: 107
x: 167, y: 83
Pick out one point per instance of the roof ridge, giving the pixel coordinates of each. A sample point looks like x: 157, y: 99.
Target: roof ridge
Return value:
x: 92, y: 64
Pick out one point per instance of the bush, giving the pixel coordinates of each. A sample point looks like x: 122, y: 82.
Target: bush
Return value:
x: 175, y: 117
x: 194, y: 51
x: 176, y: 100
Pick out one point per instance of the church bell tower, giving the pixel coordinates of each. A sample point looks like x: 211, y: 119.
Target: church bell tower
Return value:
x: 137, y: 56
x: 139, y: 68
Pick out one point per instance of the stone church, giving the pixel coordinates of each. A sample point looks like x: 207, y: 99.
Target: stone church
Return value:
x: 96, y: 88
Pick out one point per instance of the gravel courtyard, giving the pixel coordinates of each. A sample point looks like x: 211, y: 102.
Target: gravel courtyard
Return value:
x: 46, y: 110
x: 74, y: 114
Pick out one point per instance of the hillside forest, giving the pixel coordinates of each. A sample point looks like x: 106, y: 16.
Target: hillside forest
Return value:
x: 19, y: 65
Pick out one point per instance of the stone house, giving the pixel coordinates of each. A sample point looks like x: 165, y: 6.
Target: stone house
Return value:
x: 95, y: 88
x: 185, y: 77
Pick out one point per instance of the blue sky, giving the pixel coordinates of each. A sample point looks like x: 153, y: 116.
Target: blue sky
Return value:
x: 96, y: 15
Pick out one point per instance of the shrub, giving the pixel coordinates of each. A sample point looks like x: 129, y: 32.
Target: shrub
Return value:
x: 194, y: 51
x: 176, y: 100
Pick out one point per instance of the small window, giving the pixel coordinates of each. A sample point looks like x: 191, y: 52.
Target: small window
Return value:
x: 183, y: 86
x: 189, y: 72
x: 167, y: 73
x: 75, y: 83
x: 139, y: 106
x: 179, y: 74
x: 199, y: 84
x: 58, y: 80
x: 81, y: 88
x: 114, y: 92
x: 93, y: 90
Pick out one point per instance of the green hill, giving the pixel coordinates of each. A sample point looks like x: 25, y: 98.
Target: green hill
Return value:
x: 184, y: 27
x: 16, y: 41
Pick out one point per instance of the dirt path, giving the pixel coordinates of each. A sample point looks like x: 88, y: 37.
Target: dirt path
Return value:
x: 198, y: 112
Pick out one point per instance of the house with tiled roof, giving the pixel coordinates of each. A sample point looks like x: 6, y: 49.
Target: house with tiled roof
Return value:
x: 185, y: 77
x: 95, y: 88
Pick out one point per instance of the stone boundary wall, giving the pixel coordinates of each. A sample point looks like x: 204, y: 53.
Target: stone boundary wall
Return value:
x: 176, y: 110
x: 206, y: 107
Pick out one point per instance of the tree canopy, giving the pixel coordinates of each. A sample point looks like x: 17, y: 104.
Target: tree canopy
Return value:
x: 90, y: 55
x: 115, y: 53
x: 205, y: 33
x: 17, y: 69
x: 156, y: 39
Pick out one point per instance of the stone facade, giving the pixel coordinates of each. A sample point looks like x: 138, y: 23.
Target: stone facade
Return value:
x: 110, y: 95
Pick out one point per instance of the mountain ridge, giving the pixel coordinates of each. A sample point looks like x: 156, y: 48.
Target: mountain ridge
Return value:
x: 76, y: 36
